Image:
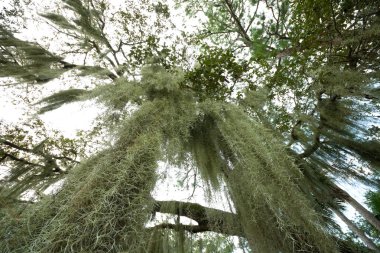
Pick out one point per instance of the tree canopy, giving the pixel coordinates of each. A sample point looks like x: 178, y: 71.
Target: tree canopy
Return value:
x: 269, y: 103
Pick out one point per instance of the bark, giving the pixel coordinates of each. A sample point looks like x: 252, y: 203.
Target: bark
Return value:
x: 356, y: 230
x: 222, y: 222
x: 358, y: 207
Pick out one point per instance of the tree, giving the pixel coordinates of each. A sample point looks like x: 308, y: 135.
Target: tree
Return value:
x: 292, y: 48
x: 269, y: 115
x: 373, y: 202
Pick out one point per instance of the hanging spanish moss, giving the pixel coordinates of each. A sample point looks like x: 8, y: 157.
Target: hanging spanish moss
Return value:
x: 204, y: 148
x: 166, y: 241
x: 263, y: 185
x: 262, y: 180
x: 105, y: 209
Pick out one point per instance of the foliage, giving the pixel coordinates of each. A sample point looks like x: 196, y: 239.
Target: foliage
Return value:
x: 217, y: 74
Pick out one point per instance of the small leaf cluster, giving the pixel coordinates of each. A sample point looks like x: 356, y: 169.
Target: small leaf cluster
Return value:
x: 216, y: 74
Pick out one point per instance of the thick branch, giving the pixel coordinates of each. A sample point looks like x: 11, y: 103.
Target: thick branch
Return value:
x: 209, y: 219
x: 314, y: 147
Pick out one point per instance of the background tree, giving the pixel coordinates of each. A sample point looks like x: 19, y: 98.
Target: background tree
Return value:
x: 296, y: 74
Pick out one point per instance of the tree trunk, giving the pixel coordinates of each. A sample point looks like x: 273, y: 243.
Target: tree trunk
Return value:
x: 356, y: 230
x: 364, y: 212
x: 358, y: 207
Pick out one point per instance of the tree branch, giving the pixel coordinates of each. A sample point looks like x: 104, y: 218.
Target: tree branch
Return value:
x: 314, y: 147
x: 14, y: 158
x: 48, y: 158
x: 246, y: 39
x: 208, y: 219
